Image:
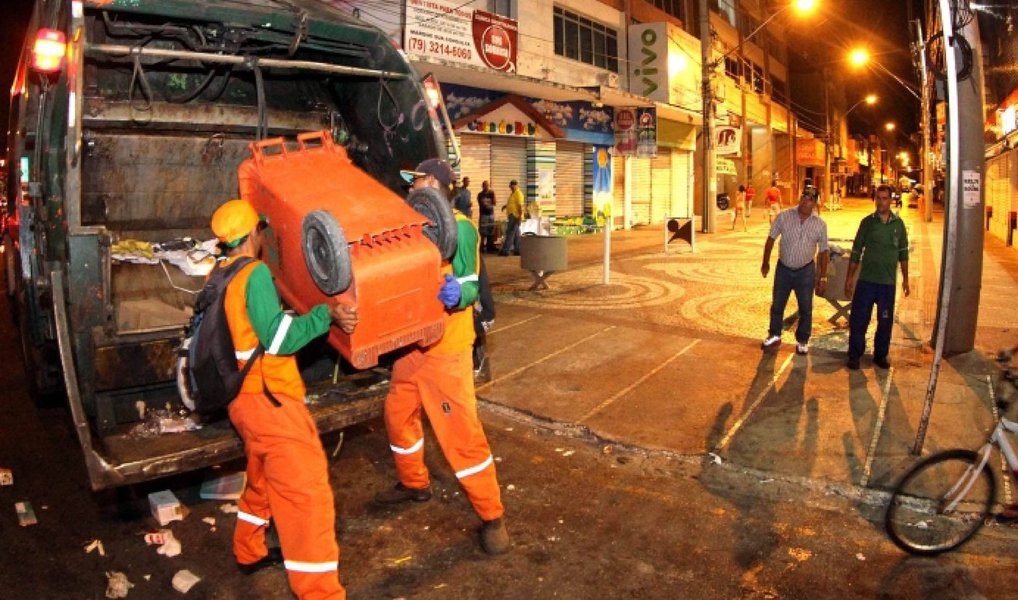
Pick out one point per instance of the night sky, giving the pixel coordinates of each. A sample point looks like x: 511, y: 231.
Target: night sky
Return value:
x: 840, y: 24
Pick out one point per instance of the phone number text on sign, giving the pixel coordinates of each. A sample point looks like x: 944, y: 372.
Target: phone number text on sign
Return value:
x: 423, y: 46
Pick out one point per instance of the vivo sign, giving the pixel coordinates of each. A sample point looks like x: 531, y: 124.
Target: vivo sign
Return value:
x: 648, y: 60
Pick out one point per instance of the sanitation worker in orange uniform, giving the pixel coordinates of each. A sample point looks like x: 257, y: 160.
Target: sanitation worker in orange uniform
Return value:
x: 287, y: 474
x: 439, y: 379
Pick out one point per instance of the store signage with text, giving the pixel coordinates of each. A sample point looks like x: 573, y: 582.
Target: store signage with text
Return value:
x: 625, y: 131
x: 444, y: 29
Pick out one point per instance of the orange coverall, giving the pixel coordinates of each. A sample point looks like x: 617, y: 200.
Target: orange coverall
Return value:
x: 439, y: 379
x: 287, y: 473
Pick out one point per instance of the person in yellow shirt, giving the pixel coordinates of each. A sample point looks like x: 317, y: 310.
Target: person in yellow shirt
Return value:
x: 514, y: 211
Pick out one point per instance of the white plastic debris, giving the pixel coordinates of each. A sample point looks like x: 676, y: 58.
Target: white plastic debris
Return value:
x: 922, y: 525
x: 169, y: 545
x: 184, y: 580
x: 715, y: 458
x: 117, y: 585
x: 860, y: 556
x: 228, y: 509
x: 568, y: 452
x: 510, y: 488
x: 95, y: 545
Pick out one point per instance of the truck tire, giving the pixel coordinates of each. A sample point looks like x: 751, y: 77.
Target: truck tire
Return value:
x: 326, y: 252
x: 442, y: 230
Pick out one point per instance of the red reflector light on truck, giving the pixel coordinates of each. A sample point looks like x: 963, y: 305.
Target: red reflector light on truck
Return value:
x: 48, y: 53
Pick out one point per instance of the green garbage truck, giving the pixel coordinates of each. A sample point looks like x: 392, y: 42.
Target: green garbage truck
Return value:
x: 129, y: 119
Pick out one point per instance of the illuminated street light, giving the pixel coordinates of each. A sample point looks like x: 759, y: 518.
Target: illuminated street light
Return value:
x: 859, y: 57
x: 869, y: 99
x: 805, y: 6
x: 889, y: 126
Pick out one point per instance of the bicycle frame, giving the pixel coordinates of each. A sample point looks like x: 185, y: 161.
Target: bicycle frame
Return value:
x: 972, y: 472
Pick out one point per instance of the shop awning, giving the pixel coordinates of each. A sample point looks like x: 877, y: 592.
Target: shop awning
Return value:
x: 495, y: 80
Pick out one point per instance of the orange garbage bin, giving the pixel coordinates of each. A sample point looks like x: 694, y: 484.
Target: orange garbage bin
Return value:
x: 335, y: 231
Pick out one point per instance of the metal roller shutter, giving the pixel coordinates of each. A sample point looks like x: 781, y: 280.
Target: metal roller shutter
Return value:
x: 641, y: 190
x: 682, y: 184
x: 508, y: 162
x: 618, y: 188
x: 569, y: 157
x: 660, y: 185
x: 476, y: 162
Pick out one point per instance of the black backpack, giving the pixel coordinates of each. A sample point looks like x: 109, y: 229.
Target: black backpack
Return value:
x: 207, y: 375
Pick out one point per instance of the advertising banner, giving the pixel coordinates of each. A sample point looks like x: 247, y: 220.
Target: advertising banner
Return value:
x: 443, y: 29
x: 625, y: 131
x: 602, y: 184
x: 646, y: 132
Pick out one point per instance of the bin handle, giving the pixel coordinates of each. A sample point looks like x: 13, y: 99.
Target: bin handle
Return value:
x: 260, y: 150
x: 323, y: 139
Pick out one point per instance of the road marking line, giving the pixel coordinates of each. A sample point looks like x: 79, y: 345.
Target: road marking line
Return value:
x: 636, y: 383
x: 867, y: 470
x: 738, y: 424
x: 527, y: 320
x: 542, y: 359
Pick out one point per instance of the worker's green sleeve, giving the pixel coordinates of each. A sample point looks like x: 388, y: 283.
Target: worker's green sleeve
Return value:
x: 279, y: 332
x: 464, y: 262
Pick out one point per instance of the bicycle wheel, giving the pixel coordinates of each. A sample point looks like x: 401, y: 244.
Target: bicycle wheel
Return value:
x: 941, y: 503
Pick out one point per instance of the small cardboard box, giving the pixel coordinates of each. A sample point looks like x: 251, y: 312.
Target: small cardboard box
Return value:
x: 6, y: 477
x: 26, y: 516
x: 165, y: 507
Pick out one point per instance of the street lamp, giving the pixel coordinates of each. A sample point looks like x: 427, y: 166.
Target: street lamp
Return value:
x: 869, y: 99
x: 889, y: 126
x: 709, y: 67
x: 860, y: 57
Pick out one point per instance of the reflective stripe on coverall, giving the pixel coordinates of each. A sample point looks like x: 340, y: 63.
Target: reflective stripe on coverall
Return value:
x: 287, y: 472
x: 440, y: 380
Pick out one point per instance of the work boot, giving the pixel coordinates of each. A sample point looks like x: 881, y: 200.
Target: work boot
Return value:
x: 401, y: 493
x: 853, y: 363
x: 274, y: 557
x: 482, y: 368
x: 882, y: 362
x: 494, y: 537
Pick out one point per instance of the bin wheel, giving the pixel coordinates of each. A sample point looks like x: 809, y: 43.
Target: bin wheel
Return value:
x: 442, y: 229
x: 326, y: 252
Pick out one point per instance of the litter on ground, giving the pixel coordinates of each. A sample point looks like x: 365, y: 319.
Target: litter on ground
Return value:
x: 117, y: 585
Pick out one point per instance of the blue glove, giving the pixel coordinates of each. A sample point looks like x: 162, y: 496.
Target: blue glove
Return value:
x: 450, y: 293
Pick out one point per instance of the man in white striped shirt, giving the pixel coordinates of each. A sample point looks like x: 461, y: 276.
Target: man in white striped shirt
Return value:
x: 799, y: 264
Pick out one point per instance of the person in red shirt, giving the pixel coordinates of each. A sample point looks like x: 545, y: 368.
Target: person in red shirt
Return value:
x: 772, y: 199
x: 750, y: 195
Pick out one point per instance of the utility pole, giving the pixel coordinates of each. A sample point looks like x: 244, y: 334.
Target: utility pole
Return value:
x: 924, y: 111
x: 968, y: 254
x: 830, y: 136
x: 710, y: 176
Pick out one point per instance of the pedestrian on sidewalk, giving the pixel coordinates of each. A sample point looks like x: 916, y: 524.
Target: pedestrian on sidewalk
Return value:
x: 461, y: 200
x: 740, y: 208
x: 881, y: 244
x: 287, y: 473
x: 438, y: 379
x: 773, y: 201
x: 486, y: 219
x: 750, y: 196
x: 800, y: 269
x: 514, y: 211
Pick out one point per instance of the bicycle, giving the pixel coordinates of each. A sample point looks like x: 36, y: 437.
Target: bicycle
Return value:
x: 941, y: 502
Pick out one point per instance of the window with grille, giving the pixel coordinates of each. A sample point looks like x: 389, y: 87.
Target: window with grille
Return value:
x: 582, y: 39
x: 726, y: 8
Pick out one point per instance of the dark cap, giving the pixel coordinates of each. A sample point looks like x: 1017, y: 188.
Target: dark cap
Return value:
x: 436, y: 167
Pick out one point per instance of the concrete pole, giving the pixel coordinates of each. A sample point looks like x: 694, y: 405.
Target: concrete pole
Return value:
x: 968, y: 257
x: 924, y: 112
x: 710, y: 175
x: 830, y: 138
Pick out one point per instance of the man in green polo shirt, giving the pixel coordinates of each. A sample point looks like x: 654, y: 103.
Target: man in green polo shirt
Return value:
x: 881, y: 244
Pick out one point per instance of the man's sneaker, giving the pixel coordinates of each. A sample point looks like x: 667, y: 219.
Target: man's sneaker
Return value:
x: 274, y: 557
x: 802, y: 349
x: 772, y: 342
x: 494, y: 537
x: 401, y: 493
x: 882, y: 362
x: 482, y: 374
x: 853, y: 363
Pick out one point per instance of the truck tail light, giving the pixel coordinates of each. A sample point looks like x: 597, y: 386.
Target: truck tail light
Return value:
x: 49, y: 50
x: 432, y: 91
